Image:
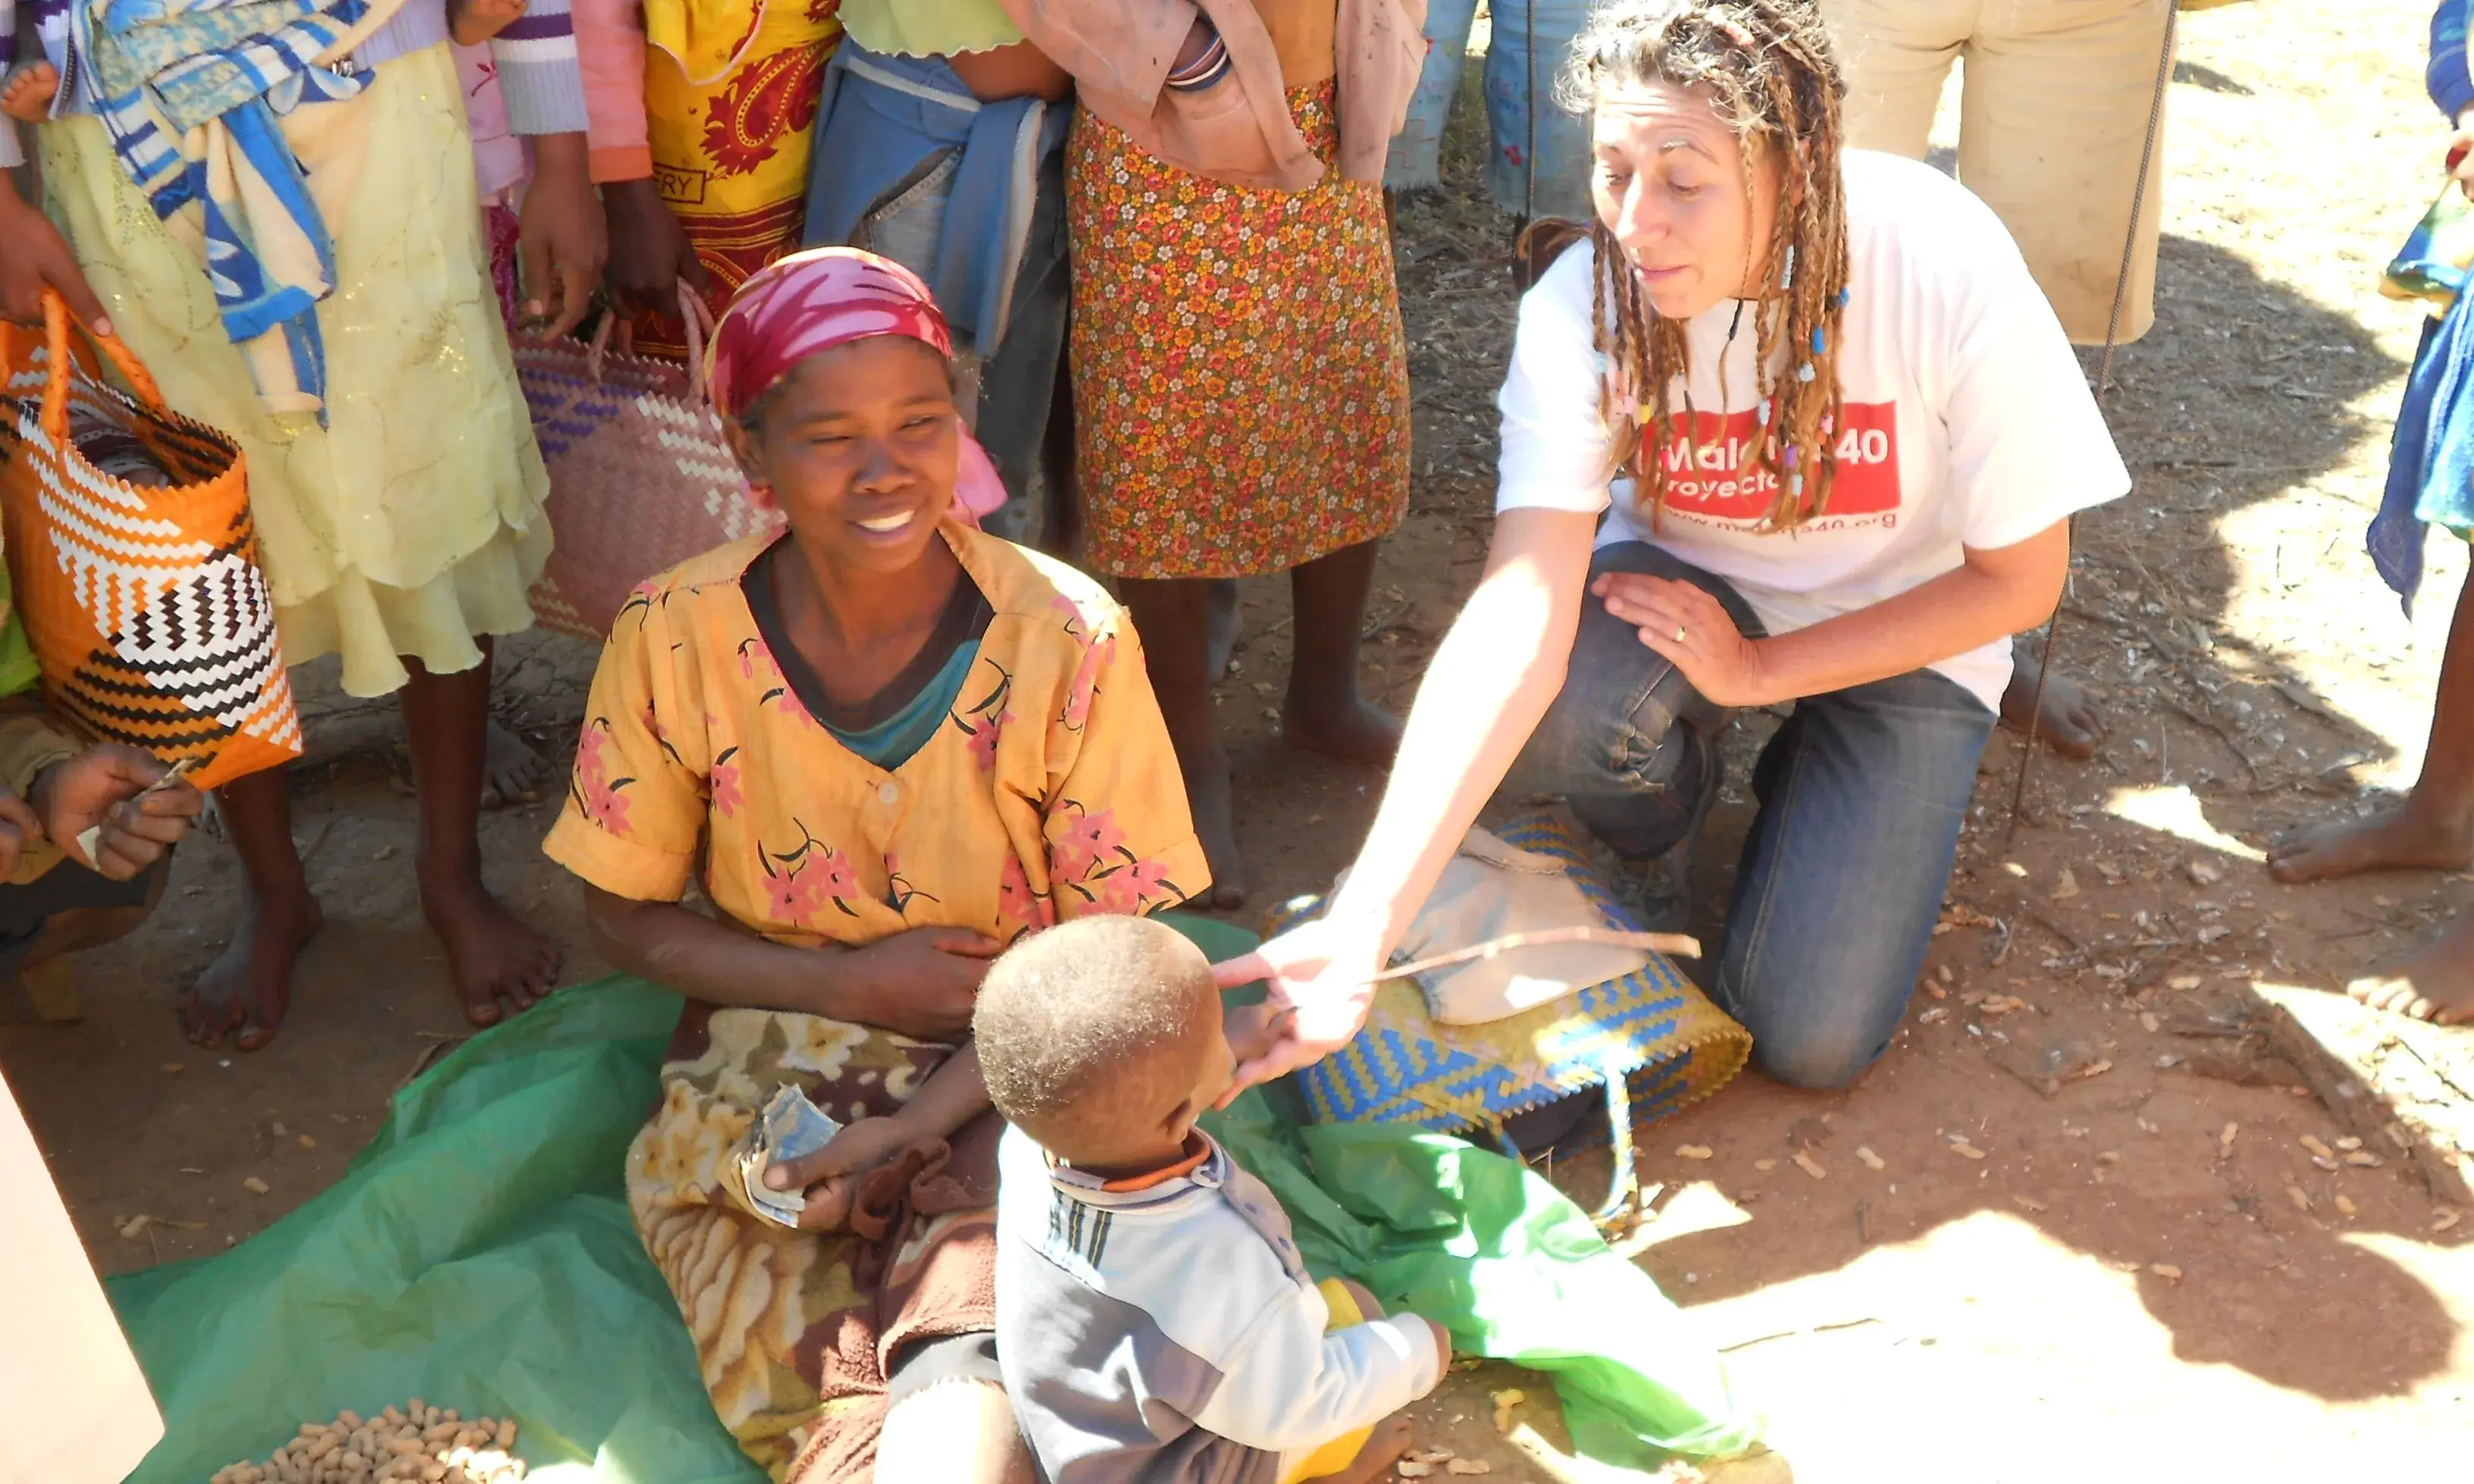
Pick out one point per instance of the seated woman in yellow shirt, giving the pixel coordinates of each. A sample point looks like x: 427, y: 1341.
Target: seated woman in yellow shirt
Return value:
x: 883, y: 746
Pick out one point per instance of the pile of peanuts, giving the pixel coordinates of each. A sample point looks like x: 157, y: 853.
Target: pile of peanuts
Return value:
x: 417, y: 1445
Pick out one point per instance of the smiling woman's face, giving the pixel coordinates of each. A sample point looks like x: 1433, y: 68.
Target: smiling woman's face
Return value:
x: 860, y: 445
x: 1669, y: 184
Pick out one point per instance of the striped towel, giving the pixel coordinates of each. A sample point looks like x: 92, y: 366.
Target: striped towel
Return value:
x: 192, y: 94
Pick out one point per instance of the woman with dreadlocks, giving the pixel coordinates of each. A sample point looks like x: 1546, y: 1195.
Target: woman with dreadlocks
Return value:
x: 1794, y: 428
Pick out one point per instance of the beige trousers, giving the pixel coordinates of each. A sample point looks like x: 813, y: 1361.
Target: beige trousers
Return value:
x: 2051, y: 122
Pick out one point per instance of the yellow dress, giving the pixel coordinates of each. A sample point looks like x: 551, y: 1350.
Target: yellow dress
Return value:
x: 731, y: 90
x: 412, y: 521
x: 1051, y: 791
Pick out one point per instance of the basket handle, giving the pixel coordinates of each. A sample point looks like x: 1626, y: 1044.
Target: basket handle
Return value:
x: 697, y: 316
x: 599, y: 347
x: 694, y: 313
x: 59, y: 368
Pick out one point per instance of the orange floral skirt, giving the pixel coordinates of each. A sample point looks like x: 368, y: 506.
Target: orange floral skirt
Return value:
x: 1241, y: 383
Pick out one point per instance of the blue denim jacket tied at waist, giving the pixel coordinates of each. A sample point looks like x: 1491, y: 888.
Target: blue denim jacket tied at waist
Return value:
x: 884, y: 122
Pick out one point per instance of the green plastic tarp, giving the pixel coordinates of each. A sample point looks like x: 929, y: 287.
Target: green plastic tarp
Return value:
x: 478, y: 1254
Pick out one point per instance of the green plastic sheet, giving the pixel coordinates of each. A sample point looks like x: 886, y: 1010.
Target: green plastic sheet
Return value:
x: 478, y: 1254
x: 1515, y: 1270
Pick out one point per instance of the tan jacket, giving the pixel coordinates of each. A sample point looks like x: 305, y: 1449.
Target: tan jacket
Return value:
x: 1238, y: 130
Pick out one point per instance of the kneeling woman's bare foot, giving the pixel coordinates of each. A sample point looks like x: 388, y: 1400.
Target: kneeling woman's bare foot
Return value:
x: 27, y: 94
x: 491, y: 954
x: 2067, y: 721
x: 245, y: 991
x: 1383, y: 1448
x: 2437, y: 984
x: 2412, y: 836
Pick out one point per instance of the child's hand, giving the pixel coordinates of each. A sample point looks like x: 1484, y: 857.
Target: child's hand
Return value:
x: 1443, y: 1347
x: 472, y: 22
x: 1250, y: 1031
x: 832, y: 1175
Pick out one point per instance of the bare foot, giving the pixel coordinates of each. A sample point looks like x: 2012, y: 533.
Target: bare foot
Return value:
x: 2068, y: 719
x: 511, y: 770
x: 2437, y: 984
x: 248, y: 985
x: 2405, y: 837
x: 1213, y: 799
x: 28, y: 92
x: 1382, y: 1449
x: 1356, y: 731
x: 490, y: 953
x: 27, y: 95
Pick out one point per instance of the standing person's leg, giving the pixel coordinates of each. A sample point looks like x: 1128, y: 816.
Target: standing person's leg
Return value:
x: 248, y: 987
x: 1323, y: 712
x: 2051, y: 128
x: 2433, y: 829
x: 1061, y: 533
x: 1896, y: 55
x: 1416, y: 159
x: 490, y: 953
x: 1541, y: 160
x: 1862, y: 796
x: 1174, y: 616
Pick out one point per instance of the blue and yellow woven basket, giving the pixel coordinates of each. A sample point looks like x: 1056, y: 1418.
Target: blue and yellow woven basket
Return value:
x: 1650, y: 1039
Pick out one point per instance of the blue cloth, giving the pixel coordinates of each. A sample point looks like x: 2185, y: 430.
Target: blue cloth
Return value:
x: 185, y: 86
x: 2446, y: 74
x: 1861, y: 791
x: 899, y: 737
x: 884, y: 124
x: 2431, y: 265
x: 1557, y: 182
x: 2431, y: 457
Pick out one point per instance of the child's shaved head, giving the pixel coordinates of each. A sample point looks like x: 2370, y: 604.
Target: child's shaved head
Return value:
x: 1095, y: 1036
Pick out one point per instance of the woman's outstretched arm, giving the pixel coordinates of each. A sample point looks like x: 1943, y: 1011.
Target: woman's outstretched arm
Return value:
x: 1497, y: 673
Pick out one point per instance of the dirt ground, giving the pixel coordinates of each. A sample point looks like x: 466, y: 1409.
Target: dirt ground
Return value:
x: 2069, y: 1224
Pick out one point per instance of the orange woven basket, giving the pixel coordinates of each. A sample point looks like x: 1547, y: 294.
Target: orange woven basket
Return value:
x: 144, y: 605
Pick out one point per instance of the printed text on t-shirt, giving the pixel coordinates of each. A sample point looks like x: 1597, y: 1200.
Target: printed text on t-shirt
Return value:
x: 1712, y: 469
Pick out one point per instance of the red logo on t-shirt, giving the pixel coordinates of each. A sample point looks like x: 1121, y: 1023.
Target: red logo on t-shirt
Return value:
x: 1715, y: 473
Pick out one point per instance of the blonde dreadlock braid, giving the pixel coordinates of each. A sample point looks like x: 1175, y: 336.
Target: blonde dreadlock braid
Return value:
x: 1770, y: 75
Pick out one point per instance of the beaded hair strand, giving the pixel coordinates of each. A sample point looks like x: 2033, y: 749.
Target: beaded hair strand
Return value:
x: 1768, y: 71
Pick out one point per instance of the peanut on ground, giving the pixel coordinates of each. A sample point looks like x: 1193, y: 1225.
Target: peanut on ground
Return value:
x: 414, y: 1443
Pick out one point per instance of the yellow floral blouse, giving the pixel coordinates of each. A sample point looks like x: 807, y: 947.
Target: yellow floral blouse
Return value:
x: 1051, y: 791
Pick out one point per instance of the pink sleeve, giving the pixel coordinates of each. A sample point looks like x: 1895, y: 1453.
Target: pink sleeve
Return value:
x: 610, y: 45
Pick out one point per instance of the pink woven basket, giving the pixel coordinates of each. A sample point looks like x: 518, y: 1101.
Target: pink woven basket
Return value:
x: 641, y: 477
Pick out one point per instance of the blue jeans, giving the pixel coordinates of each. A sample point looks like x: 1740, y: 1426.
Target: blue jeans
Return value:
x: 1862, y: 792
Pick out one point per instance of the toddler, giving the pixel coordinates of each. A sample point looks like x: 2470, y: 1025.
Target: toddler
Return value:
x: 1154, y: 1320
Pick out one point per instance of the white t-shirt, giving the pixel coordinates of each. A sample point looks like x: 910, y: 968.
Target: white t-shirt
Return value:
x: 1967, y: 421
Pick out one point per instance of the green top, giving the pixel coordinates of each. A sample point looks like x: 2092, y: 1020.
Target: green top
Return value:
x: 894, y: 741
x: 928, y: 28
x: 18, y: 670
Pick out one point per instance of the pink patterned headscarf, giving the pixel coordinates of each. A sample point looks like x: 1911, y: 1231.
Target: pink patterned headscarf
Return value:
x: 812, y: 301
